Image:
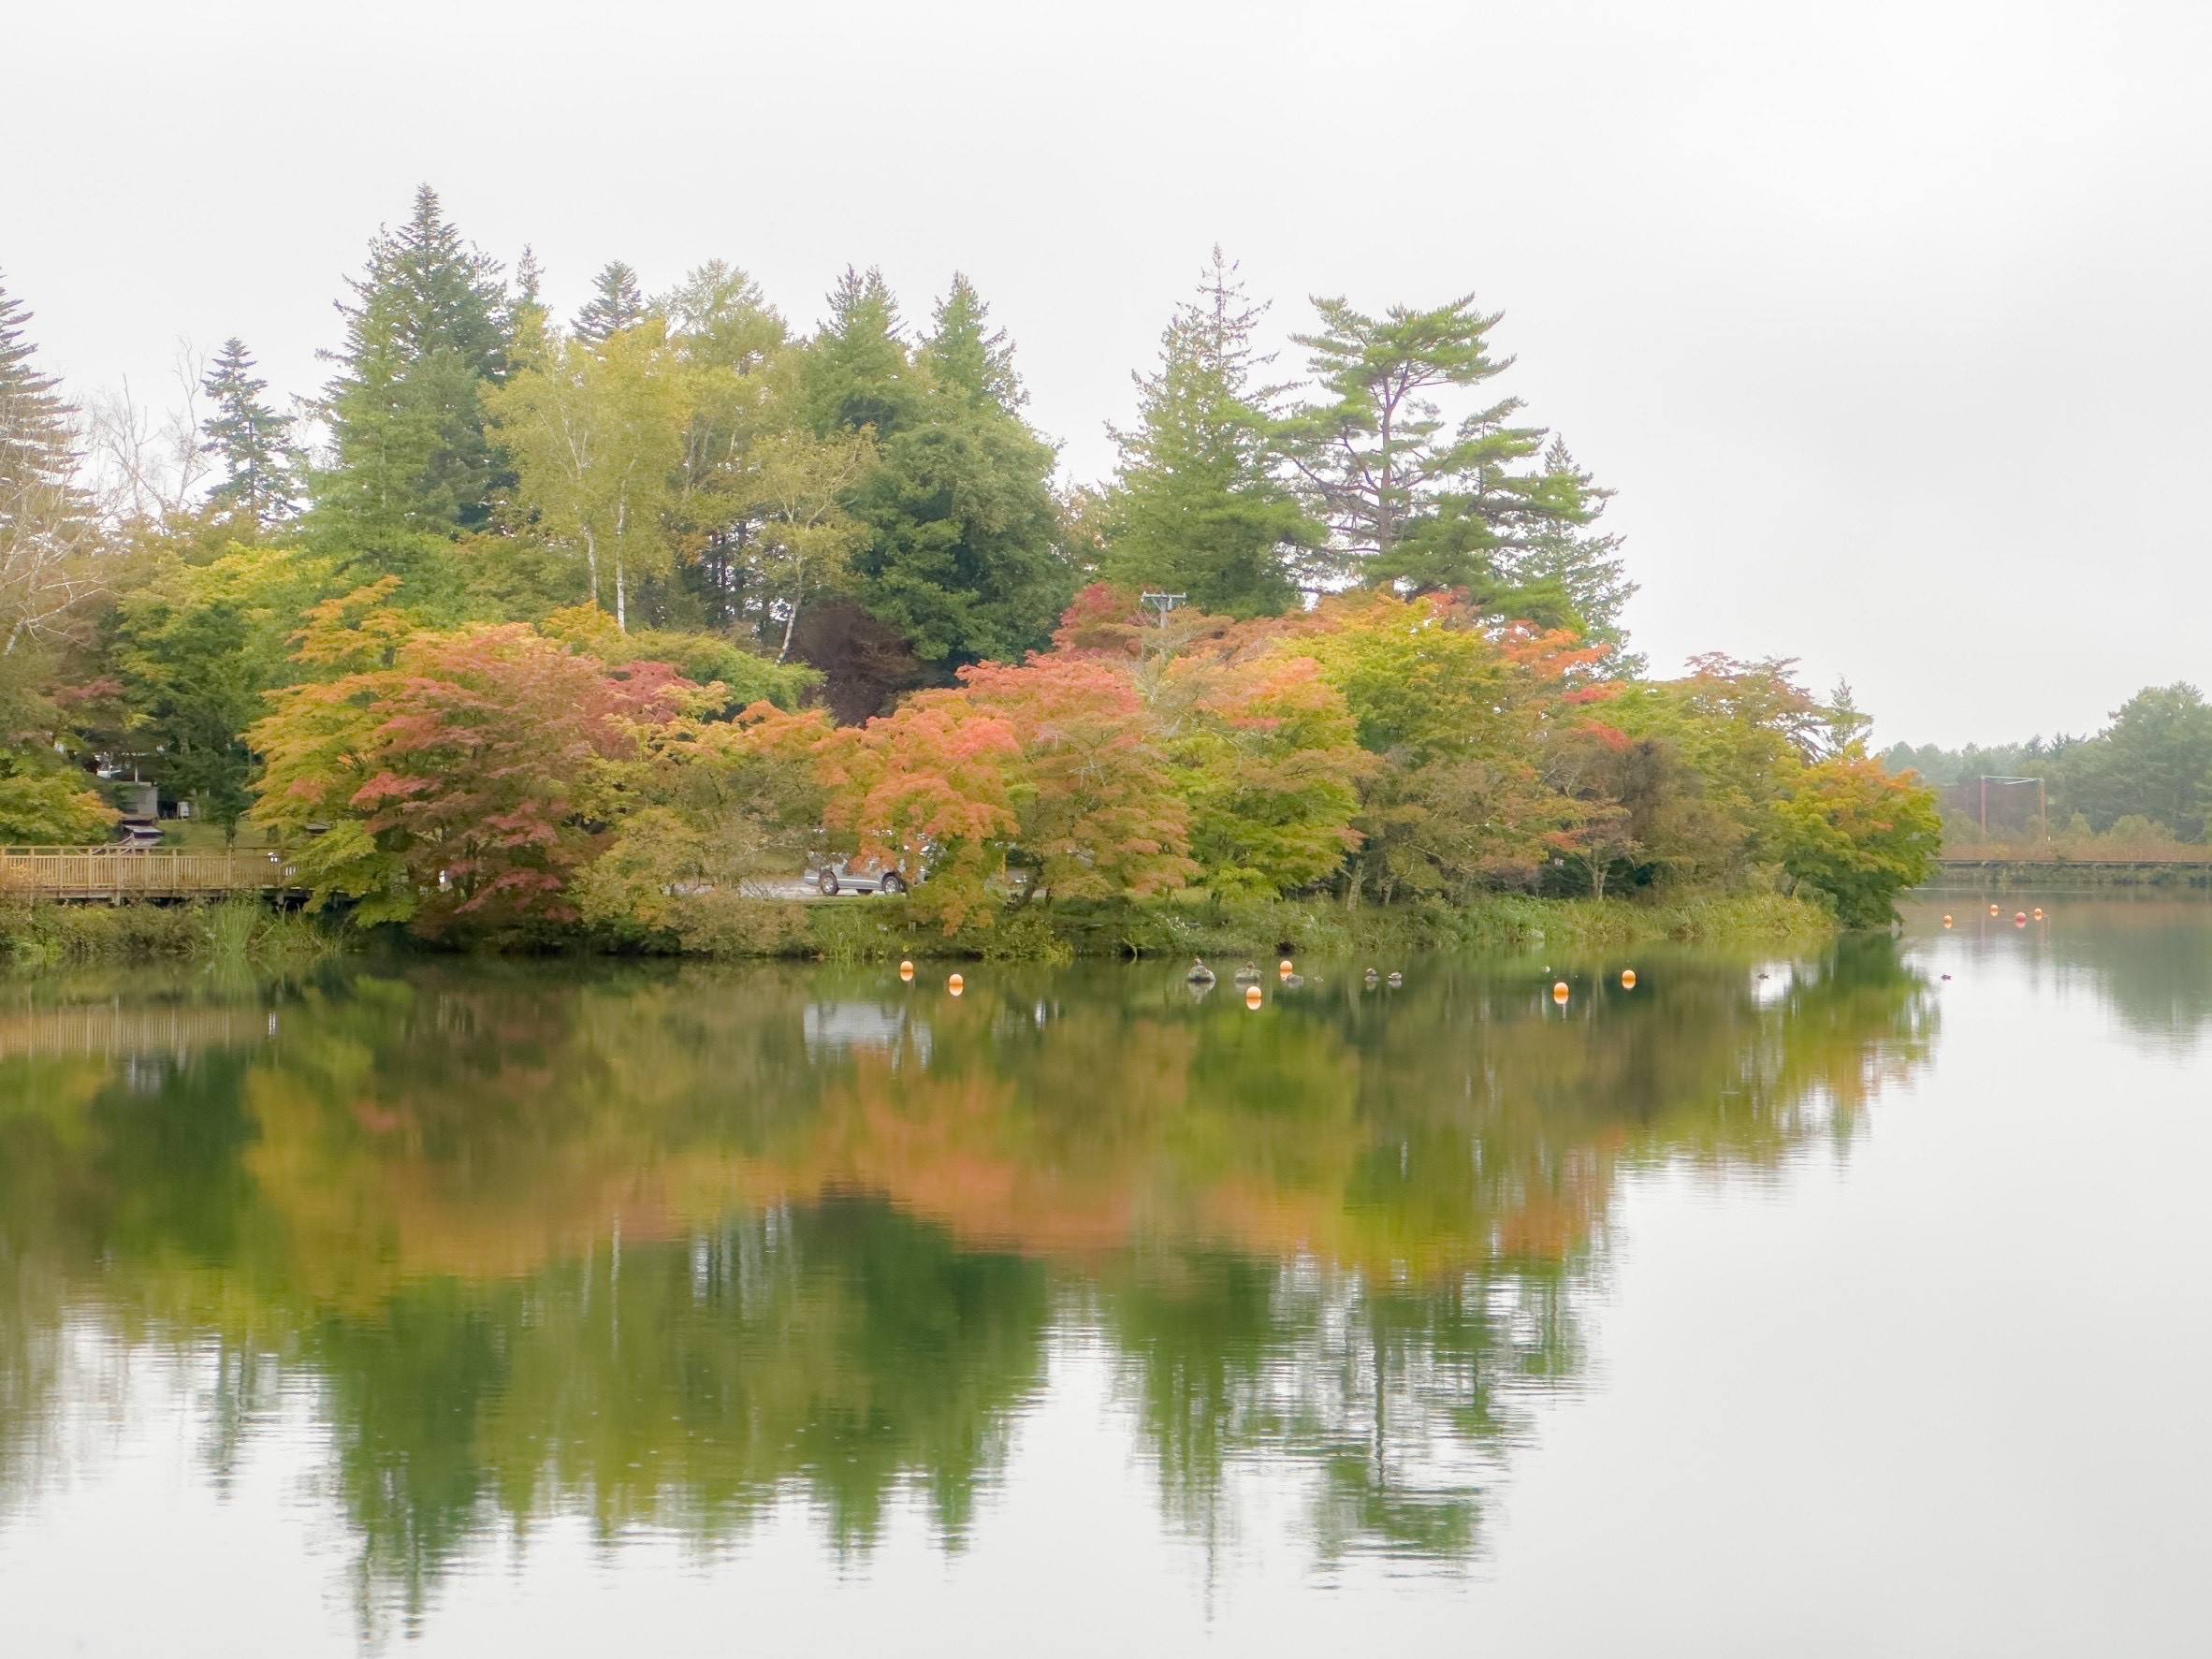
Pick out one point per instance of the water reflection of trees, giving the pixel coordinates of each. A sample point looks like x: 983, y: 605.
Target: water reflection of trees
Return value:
x: 658, y: 1249
x: 2149, y: 960
x: 843, y: 1350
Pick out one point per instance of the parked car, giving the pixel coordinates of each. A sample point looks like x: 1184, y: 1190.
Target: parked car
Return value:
x: 854, y: 875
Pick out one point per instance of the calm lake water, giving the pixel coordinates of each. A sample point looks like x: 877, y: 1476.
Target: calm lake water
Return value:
x: 1816, y: 1304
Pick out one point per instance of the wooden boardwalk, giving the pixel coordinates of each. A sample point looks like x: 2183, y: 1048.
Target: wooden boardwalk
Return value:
x: 115, y: 873
x: 2073, y: 872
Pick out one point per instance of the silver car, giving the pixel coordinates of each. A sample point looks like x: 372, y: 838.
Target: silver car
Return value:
x: 858, y: 876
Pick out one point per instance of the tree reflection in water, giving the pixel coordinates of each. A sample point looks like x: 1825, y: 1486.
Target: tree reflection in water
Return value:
x: 662, y: 1247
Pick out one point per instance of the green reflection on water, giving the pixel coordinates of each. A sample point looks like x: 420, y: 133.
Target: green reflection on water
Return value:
x: 661, y: 1246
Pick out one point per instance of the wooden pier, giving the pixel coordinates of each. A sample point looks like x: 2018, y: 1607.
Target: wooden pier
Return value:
x: 116, y: 874
x: 1998, y: 873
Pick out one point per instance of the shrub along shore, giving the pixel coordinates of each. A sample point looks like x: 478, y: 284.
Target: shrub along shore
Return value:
x: 880, y: 929
x: 240, y: 930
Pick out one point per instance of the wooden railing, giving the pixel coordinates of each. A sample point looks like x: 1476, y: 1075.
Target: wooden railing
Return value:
x: 138, y: 872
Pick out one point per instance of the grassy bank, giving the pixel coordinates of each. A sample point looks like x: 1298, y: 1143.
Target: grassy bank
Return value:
x: 875, y: 929
x: 235, y: 930
x: 880, y: 929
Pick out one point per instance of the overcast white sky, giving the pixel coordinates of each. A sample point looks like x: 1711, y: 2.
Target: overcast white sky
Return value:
x: 1889, y: 324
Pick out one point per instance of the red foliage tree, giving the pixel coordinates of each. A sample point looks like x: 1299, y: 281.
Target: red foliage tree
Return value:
x: 497, y: 752
x: 929, y: 790
x: 1095, y: 804
x: 461, y: 777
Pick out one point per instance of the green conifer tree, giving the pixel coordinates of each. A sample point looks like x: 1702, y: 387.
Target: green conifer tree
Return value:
x: 428, y: 331
x: 529, y: 280
x: 1581, y: 565
x: 251, y: 440
x: 966, y: 357
x: 1198, y: 509
x: 46, y: 523
x: 48, y: 545
x: 616, y: 302
x: 858, y: 371
x: 961, y: 556
x: 1410, y: 500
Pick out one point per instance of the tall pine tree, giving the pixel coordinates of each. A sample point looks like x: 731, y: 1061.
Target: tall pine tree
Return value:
x: 1410, y: 500
x: 46, y: 523
x: 428, y: 330
x: 250, y: 440
x: 616, y: 302
x: 1198, y: 509
x: 48, y: 540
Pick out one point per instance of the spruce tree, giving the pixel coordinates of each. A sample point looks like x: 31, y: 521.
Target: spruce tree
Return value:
x: 960, y: 556
x: 1568, y: 557
x: 1197, y: 508
x: 250, y: 440
x: 529, y: 280
x: 616, y: 302
x: 969, y: 359
x: 428, y: 331
x: 46, y: 524
x: 858, y: 369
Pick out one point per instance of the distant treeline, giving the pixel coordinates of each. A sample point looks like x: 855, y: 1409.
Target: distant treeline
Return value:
x: 523, y: 625
x: 2145, y: 777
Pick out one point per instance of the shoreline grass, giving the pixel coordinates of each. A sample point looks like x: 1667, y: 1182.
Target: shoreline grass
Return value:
x: 876, y: 930
x: 886, y: 928
x: 36, y: 935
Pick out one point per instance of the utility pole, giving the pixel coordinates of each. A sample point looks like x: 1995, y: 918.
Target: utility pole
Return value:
x: 1162, y: 602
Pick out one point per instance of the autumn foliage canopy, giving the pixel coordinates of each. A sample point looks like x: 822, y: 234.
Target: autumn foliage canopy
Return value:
x: 499, y: 778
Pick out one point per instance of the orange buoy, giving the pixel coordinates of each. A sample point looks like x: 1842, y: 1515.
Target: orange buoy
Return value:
x: 1993, y: 909
x: 2039, y: 912
x: 1628, y: 978
x: 1559, y: 991
x: 955, y: 984
x: 1283, y: 967
x: 1947, y: 920
x: 906, y: 970
x: 1251, y: 996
